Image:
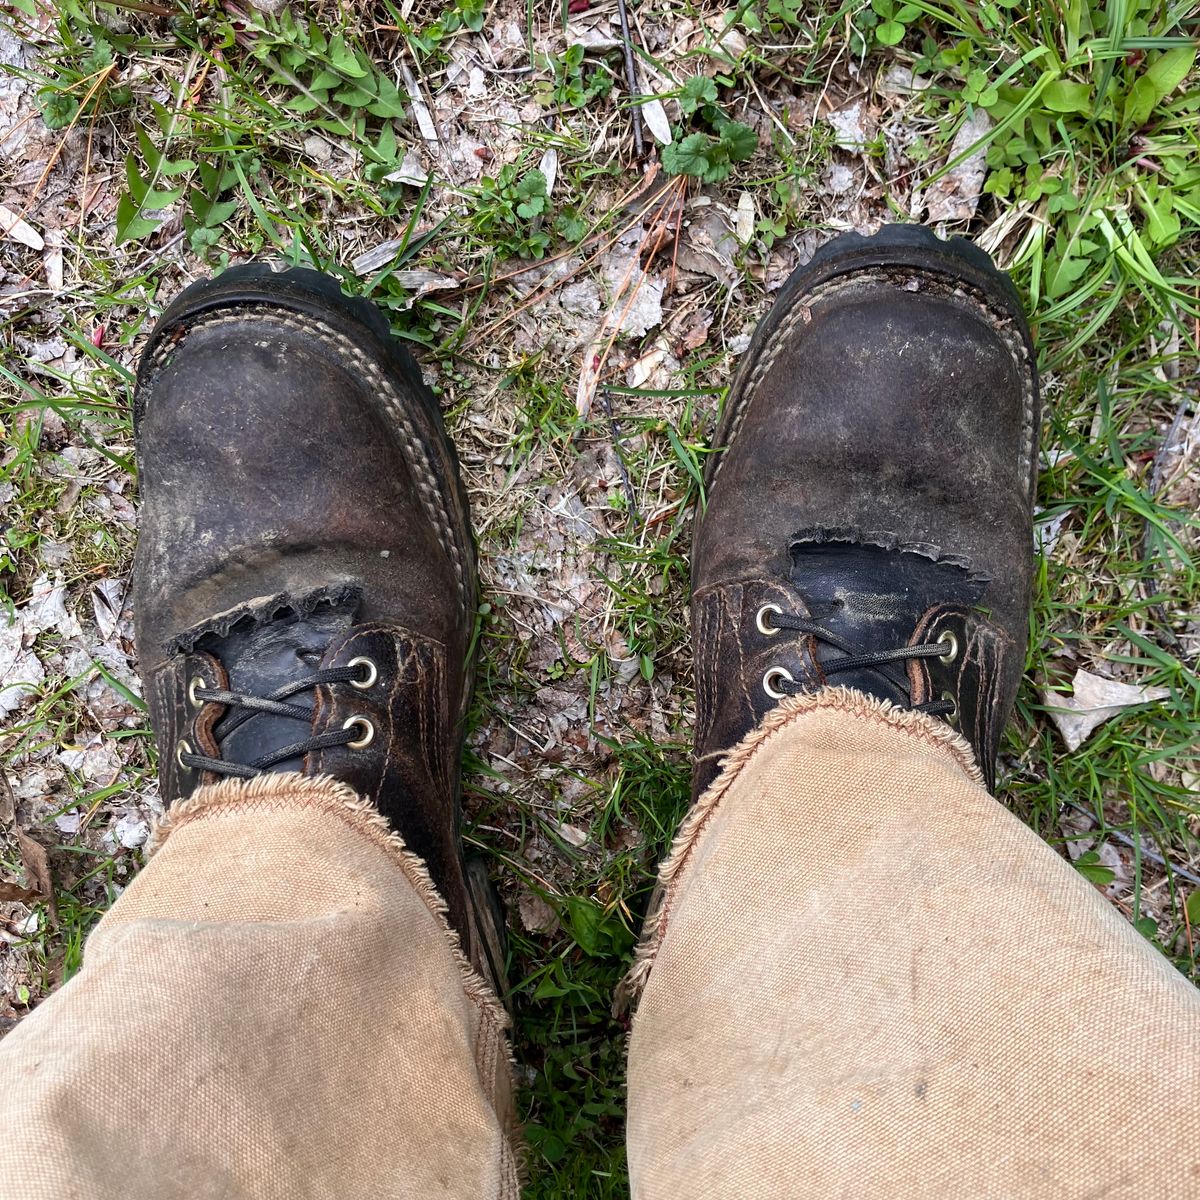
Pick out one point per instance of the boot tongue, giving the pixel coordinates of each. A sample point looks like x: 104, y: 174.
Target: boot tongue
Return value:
x: 262, y: 653
x: 871, y: 593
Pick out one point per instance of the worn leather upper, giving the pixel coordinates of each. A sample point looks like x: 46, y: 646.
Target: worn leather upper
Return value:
x: 301, y: 511
x: 876, y: 474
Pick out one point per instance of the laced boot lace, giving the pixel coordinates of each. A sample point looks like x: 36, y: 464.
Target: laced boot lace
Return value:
x: 779, y: 682
x: 357, y: 732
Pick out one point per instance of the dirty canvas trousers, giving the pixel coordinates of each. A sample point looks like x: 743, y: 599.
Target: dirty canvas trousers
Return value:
x: 863, y: 978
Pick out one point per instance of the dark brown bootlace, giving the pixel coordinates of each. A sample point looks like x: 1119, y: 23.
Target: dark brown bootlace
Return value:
x: 779, y: 682
x: 357, y: 732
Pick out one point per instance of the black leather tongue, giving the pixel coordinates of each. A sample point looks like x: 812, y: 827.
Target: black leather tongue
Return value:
x: 264, y: 653
x: 871, y: 596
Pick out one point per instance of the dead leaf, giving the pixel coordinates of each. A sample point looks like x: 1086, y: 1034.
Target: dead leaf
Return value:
x: 635, y: 296
x: 97, y: 761
x: 853, y: 126
x: 19, y: 230
x: 657, y: 122
x: 318, y: 149
x: 839, y: 179
x: 8, y: 805
x: 693, y: 333
x: 422, y: 281
x: 744, y: 223
x: 47, y: 610
x: 642, y: 369
x: 420, y: 109
x: 955, y: 197
x: 53, y: 261
x: 549, y: 169
x: 592, y: 31
x: 1095, y: 700
x: 900, y: 81
x: 581, y: 298
x: 728, y: 43
x: 572, y: 834
x: 1047, y: 530
x: 709, y: 244
x: 536, y: 915
x: 108, y: 597
x: 411, y: 171
x: 14, y: 893
x: 21, y: 671
x: 36, y: 862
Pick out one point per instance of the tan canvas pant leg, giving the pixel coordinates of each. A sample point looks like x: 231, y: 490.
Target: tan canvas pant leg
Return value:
x: 274, y: 1008
x: 867, y: 979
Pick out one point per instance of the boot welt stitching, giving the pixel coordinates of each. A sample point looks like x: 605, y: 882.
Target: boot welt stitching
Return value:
x: 418, y: 460
x: 1000, y: 323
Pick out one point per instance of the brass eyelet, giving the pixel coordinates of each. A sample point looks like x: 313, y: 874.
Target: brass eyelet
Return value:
x: 368, y: 734
x: 196, y: 683
x: 768, y: 679
x: 372, y: 673
x: 946, y: 638
x: 952, y: 715
x: 182, y: 747
x: 760, y: 619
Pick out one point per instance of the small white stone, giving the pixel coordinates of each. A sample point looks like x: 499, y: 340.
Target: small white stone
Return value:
x: 131, y: 831
x: 317, y: 148
x: 411, y: 171
x: 68, y: 822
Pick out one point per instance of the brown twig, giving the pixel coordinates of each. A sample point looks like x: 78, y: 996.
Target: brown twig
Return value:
x: 1150, y: 583
x: 610, y: 329
x: 152, y: 10
x: 99, y: 78
x: 1107, y: 831
x: 614, y: 433
x: 631, y: 82
x: 537, y: 297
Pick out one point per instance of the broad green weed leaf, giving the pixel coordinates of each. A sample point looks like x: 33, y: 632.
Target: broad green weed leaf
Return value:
x: 1159, y: 80
x: 697, y: 92
x: 325, y: 79
x: 157, y: 198
x: 687, y: 157
x: 1163, y: 225
x: 1066, y: 96
x: 345, y: 60
x: 389, y: 102
x: 1169, y: 70
x: 739, y: 141
x: 131, y: 225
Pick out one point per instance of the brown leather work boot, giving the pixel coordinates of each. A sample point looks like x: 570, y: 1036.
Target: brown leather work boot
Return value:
x: 304, y: 584
x: 870, y: 498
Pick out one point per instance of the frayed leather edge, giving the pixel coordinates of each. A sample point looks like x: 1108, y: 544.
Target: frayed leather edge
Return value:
x: 788, y: 712
x: 262, y: 610
x: 879, y: 539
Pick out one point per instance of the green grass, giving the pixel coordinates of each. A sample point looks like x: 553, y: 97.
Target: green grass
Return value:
x: 215, y: 137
